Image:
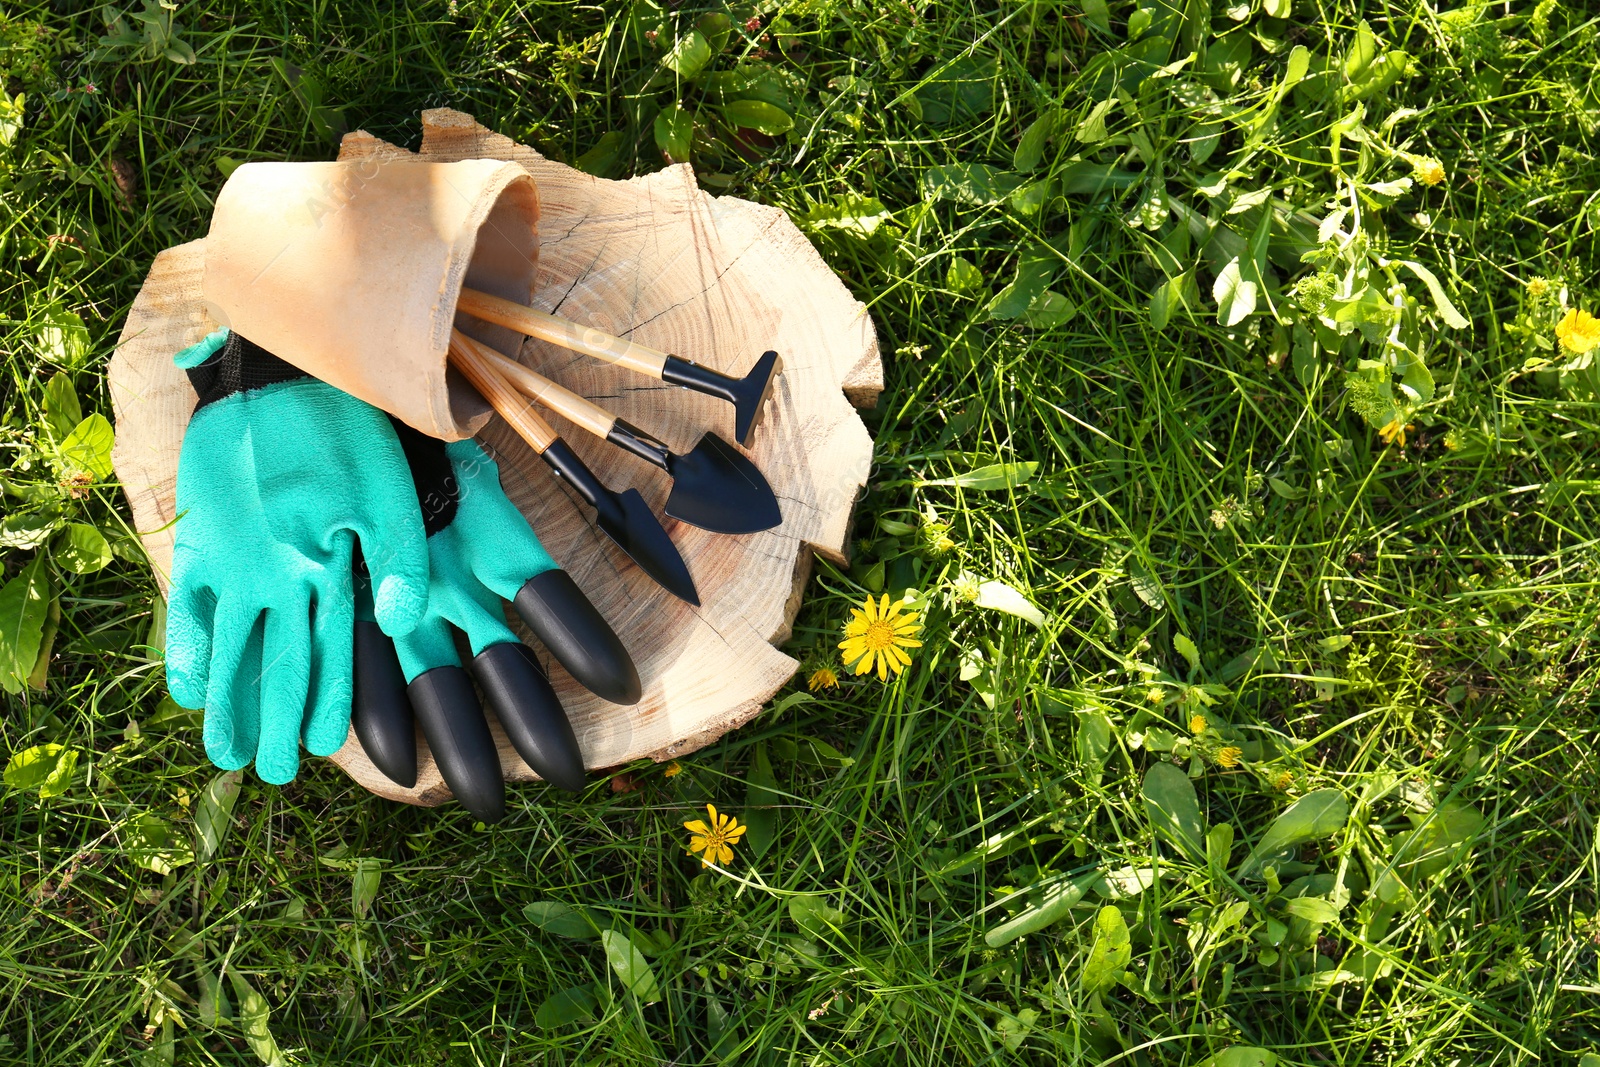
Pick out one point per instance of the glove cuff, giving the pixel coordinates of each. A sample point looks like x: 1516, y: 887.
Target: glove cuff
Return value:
x: 238, y: 367
x: 437, y: 488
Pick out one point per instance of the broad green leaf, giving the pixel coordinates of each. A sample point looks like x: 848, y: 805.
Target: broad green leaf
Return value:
x: 1093, y: 741
x: 1048, y: 310
x: 170, y: 715
x: 1316, y: 815
x: 1174, y: 810
x: 1235, y: 295
x: 1363, y: 51
x: 153, y: 843
x: 1447, y: 310
x: 1241, y: 1056
x: 62, y: 338
x: 758, y: 115
x: 969, y: 183
x: 12, y: 112
x: 45, y: 768
x: 1013, y: 1029
x: 24, y: 608
x: 815, y: 916
x: 254, y: 1019
x: 1092, y: 128
x: 82, y: 549
x: 674, y: 131
x: 1312, y: 909
x: 554, y: 917
x: 214, y: 811
x: 851, y: 213
x: 1165, y: 298
x: 1086, y: 177
x: 689, y: 56
x: 1219, y: 846
x: 1438, y: 842
x: 88, y: 447
x: 213, y: 1007
x: 1053, y: 906
x: 365, y: 874
x: 1299, y: 64
x: 61, y: 408
x: 41, y: 664
x: 602, y: 159
x: 1030, y: 147
x: 632, y: 969
x: 761, y: 799
x: 963, y: 276
x: 1030, y: 199
x: 1111, y: 953
x: 1188, y: 651
x: 959, y: 91
x: 998, y: 596
x: 27, y: 529
x: 715, y: 27
x: 993, y: 477
x: 1035, y: 270
x: 568, y: 1006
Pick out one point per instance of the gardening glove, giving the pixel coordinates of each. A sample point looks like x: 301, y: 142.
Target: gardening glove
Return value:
x: 279, y: 477
x: 480, y: 550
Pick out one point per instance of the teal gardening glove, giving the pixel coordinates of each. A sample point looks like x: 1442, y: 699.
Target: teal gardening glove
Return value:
x: 279, y: 477
x: 481, y: 554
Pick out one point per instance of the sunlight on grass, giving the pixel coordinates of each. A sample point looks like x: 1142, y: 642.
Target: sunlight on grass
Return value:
x: 1237, y: 461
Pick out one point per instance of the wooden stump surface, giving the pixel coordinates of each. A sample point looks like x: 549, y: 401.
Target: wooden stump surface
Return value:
x: 657, y: 260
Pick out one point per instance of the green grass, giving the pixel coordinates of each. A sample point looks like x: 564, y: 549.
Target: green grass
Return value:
x: 1403, y: 634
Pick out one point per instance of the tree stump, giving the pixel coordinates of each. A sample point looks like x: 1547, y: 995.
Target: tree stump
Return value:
x: 657, y: 260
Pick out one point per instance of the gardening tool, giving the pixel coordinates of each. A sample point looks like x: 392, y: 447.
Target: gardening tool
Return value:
x: 624, y: 517
x: 748, y: 395
x: 278, y: 478
x: 714, y: 487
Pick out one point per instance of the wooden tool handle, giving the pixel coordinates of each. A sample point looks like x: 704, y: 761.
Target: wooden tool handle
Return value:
x: 563, y: 332
x: 558, y: 398
x: 472, y: 359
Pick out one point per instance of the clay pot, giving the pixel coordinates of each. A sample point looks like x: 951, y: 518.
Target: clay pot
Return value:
x: 350, y: 271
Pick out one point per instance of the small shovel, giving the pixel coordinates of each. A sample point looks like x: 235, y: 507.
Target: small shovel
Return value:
x: 624, y: 517
x: 747, y: 395
x: 714, y: 487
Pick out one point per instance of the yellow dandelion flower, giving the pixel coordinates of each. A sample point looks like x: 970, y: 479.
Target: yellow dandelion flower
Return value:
x: 672, y: 770
x: 1283, y: 781
x: 1427, y: 170
x: 877, y: 635
x: 1198, y: 724
x: 1578, y: 332
x: 715, y: 840
x: 822, y: 678
x: 1229, y: 756
x: 1154, y: 695
x: 1394, y: 433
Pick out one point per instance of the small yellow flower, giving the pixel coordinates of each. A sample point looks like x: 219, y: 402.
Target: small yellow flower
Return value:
x: 1154, y: 695
x: 1427, y: 170
x: 672, y: 770
x: 1393, y: 433
x: 1283, y: 781
x: 1198, y: 724
x: 1229, y: 756
x: 1538, y: 287
x: 715, y: 840
x: 1578, y: 332
x: 877, y: 635
x: 822, y: 678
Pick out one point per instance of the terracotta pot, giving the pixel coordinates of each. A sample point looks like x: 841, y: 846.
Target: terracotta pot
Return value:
x: 350, y: 271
